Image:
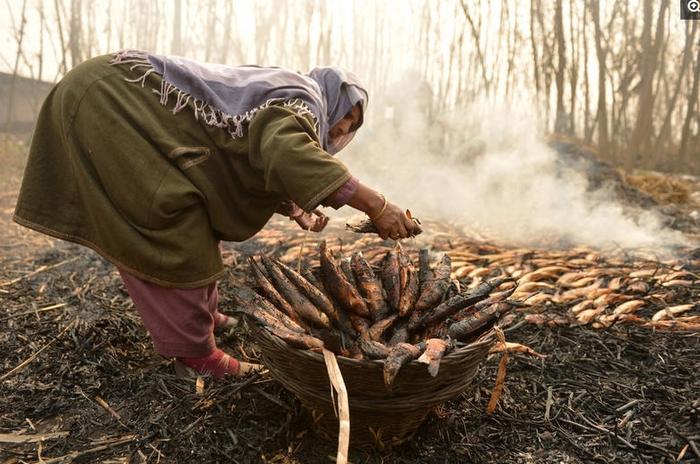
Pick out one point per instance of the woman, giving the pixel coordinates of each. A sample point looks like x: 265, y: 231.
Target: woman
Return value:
x: 152, y: 160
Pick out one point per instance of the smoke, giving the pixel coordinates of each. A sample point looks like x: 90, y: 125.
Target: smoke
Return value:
x: 488, y: 170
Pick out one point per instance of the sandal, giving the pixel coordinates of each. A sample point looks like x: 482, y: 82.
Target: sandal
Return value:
x: 218, y: 365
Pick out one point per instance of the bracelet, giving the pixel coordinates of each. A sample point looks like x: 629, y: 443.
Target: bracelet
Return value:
x: 380, y: 211
x: 293, y: 217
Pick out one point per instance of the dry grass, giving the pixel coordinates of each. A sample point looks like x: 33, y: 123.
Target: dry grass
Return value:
x: 664, y: 189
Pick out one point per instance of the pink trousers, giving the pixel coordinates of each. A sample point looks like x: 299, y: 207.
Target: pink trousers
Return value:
x: 180, y: 321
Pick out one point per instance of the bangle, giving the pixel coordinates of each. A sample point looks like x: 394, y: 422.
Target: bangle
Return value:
x: 380, y: 211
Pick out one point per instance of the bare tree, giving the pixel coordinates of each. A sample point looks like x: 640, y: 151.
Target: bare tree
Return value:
x: 602, y: 116
x: 176, y: 47
x: 74, y: 32
x: 477, y: 46
x: 20, y: 39
x: 58, y: 6
x: 690, y: 113
x: 641, y: 138
x: 664, y: 137
x: 560, y: 124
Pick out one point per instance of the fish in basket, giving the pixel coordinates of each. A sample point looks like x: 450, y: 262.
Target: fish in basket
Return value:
x: 406, y: 337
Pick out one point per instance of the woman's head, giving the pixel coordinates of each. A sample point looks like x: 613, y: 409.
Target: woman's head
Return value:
x: 346, y: 101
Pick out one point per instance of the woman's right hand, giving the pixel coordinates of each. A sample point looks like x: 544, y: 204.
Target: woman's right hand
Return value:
x: 395, y: 224
x: 390, y: 220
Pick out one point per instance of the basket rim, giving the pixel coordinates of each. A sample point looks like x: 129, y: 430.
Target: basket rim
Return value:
x: 485, y: 339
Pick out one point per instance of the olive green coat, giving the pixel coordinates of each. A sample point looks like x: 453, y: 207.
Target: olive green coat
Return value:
x: 154, y: 192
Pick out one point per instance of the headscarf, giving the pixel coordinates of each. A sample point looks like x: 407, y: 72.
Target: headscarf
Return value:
x: 341, y: 90
x: 229, y: 97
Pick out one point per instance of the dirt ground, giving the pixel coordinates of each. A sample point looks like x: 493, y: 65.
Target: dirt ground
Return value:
x: 78, y: 367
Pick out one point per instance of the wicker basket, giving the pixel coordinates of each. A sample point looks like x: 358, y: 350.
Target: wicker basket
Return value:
x: 376, y: 415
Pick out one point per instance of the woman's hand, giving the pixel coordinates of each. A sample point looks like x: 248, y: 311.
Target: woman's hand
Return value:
x: 314, y: 221
x: 394, y: 223
x: 390, y: 220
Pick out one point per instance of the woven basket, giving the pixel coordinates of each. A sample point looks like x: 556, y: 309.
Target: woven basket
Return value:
x: 376, y: 415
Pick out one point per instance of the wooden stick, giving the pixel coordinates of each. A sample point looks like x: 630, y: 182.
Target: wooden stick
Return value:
x: 301, y: 250
x: 24, y: 363
x: 500, y: 376
x: 76, y: 454
x: 33, y: 438
x: 108, y: 408
x: 37, y: 271
x: 34, y: 311
x: 336, y: 378
x: 548, y: 405
x: 102, y: 403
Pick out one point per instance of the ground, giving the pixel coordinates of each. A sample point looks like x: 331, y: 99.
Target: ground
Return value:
x: 77, y: 365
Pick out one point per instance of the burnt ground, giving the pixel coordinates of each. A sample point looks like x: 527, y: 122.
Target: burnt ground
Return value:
x: 626, y: 395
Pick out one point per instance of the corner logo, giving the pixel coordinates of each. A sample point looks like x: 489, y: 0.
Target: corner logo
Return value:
x: 690, y: 9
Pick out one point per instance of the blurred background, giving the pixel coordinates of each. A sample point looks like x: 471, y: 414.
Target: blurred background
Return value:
x: 622, y: 74
x: 510, y: 105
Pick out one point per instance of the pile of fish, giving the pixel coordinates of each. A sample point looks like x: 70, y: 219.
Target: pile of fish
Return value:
x: 571, y: 286
x: 396, y: 312
x: 585, y: 287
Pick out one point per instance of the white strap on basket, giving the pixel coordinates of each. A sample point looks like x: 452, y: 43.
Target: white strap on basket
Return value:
x: 338, y: 384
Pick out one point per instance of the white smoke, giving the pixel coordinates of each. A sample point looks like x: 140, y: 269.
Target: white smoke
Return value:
x: 489, y: 170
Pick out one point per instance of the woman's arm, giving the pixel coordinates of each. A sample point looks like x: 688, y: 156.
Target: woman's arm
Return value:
x: 283, y: 146
x: 390, y: 220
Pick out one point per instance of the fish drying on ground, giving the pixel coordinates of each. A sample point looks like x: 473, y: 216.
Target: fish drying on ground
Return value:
x: 370, y: 287
x: 336, y: 283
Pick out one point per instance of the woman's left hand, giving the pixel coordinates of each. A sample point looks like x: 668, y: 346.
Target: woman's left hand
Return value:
x: 314, y: 221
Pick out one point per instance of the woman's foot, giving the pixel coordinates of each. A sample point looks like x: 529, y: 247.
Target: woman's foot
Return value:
x: 218, y: 365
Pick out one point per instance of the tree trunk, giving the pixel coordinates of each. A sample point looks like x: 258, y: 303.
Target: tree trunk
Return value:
x: 573, y: 73
x: 176, y: 47
x: 560, y: 121
x: 665, y: 131
x: 477, y: 46
x: 587, y: 128
x: 533, y: 44
x: 74, y: 32
x: 690, y: 112
x: 13, y: 82
x: 602, y: 116
x: 642, y: 134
